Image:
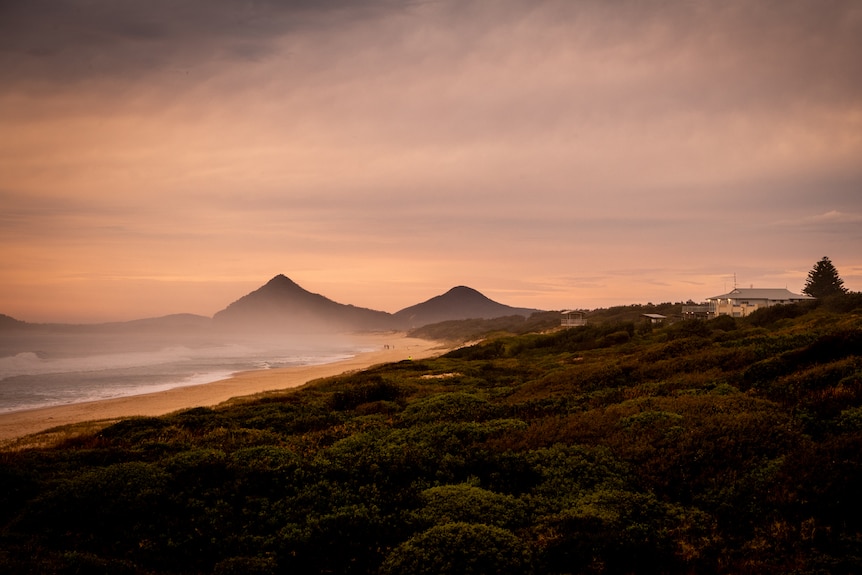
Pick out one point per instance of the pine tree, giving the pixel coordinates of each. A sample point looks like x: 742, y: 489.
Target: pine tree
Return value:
x: 823, y: 280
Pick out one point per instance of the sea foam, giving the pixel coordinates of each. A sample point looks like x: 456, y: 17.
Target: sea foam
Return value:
x: 33, y: 379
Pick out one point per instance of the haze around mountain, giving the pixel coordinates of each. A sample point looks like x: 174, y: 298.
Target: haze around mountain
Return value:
x: 279, y: 307
x: 280, y: 324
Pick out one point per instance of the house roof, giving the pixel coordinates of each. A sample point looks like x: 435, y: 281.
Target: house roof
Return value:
x: 654, y: 316
x: 774, y: 294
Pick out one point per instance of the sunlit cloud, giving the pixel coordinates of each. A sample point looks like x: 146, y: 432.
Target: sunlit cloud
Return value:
x: 383, y: 151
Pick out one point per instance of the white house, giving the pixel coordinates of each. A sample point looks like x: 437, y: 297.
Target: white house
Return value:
x: 740, y: 302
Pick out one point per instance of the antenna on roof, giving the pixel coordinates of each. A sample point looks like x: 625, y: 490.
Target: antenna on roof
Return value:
x: 734, y: 280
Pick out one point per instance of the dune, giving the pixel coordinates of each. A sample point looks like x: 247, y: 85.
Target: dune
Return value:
x: 387, y: 348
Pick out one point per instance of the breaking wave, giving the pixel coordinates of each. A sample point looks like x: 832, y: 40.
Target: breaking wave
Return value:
x: 35, y: 379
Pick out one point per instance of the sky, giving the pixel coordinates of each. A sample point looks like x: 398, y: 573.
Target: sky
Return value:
x: 170, y: 156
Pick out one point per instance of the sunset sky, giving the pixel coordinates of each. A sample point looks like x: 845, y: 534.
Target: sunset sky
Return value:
x: 172, y: 155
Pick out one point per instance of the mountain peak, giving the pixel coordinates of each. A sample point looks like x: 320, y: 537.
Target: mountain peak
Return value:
x: 283, y: 305
x: 462, y: 290
x: 460, y: 302
x: 282, y: 281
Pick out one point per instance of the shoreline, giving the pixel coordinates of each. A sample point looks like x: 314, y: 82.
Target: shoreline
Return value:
x: 388, y: 348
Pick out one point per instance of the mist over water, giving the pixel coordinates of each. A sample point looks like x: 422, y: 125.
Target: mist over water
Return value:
x: 64, y: 365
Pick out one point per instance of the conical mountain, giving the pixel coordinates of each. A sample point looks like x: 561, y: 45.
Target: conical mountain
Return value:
x: 283, y: 306
x: 460, y: 302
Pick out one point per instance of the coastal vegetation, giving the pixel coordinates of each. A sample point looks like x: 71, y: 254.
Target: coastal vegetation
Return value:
x: 719, y: 446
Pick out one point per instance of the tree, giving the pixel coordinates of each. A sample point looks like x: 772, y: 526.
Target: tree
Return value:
x: 823, y: 280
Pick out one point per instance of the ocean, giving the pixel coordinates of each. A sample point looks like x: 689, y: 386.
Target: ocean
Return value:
x: 62, y: 375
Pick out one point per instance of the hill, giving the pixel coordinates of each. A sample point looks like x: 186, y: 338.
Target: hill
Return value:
x: 68, y: 340
x: 167, y: 323
x: 177, y: 321
x: 282, y: 305
x: 723, y: 446
x: 458, y: 303
x: 8, y: 322
x: 461, y: 331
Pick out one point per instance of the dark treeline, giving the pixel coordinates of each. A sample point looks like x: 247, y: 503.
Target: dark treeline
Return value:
x: 721, y: 446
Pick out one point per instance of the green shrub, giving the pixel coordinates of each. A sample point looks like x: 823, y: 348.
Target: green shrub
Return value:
x: 135, y: 430
x: 460, y: 549
x: 722, y: 322
x: 454, y: 406
x: 355, y: 395
x: 470, y: 504
x: 767, y: 316
x: 246, y: 566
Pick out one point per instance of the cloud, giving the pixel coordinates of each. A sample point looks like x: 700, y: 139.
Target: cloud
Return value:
x: 835, y: 216
x: 829, y: 218
x: 437, y: 139
x: 63, y: 41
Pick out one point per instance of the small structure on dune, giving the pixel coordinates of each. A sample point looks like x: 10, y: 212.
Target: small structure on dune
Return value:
x: 655, y: 318
x: 572, y: 318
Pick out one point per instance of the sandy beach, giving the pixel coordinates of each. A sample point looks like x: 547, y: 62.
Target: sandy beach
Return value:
x: 388, y: 348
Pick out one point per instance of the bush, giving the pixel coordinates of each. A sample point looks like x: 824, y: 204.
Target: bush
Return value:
x: 767, y: 316
x: 615, y: 338
x: 613, y: 531
x: 455, y: 406
x: 843, y: 303
x: 469, y: 504
x: 460, y: 549
x: 246, y: 566
x: 364, y: 392
x: 722, y: 322
x: 135, y: 430
x: 686, y: 329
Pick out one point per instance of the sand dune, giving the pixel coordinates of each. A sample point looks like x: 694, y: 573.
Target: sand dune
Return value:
x: 389, y: 348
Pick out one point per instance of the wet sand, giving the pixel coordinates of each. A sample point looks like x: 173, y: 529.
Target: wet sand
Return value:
x: 18, y: 424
